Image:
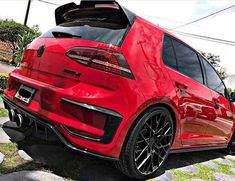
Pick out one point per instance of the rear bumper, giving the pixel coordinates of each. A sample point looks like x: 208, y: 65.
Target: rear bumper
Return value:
x: 101, y: 128
x: 8, y: 104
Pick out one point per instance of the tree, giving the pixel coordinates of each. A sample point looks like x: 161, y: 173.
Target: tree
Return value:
x: 215, y: 62
x: 11, y: 32
x: 23, y: 40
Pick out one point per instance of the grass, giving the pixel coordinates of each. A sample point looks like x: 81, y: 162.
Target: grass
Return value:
x: 204, y: 173
x: 71, y: 169
x: 3, y: 112
x: 12, y: 161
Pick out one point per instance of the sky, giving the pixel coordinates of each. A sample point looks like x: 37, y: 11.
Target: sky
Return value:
x: 167, y: 14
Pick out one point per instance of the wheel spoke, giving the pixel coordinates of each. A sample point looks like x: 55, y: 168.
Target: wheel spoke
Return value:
x: 143, y: 162
x: 158, y: 121
x: 164, y: 146
x: 164, y: 135
x: 142, y: 152
x: 160, y: 131
x: 144, y: 139
x: 158, y: 155
x: 152, y: 132
x: 150, y: 165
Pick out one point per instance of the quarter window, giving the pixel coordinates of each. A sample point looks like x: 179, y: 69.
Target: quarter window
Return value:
x: 188, y: 62
x: 168, y: 53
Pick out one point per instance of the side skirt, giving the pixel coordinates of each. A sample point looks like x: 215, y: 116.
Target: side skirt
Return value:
x: 197, y: 149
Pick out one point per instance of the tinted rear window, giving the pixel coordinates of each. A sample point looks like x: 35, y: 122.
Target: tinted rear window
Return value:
x: 100, y: 25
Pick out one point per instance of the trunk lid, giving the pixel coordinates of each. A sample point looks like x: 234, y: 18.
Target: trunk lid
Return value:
x: 98, y: 24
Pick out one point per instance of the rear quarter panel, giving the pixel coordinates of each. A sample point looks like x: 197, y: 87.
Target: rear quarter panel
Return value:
x: 143, y: 50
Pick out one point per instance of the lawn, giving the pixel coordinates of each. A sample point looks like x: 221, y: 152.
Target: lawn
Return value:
x: 3, y: 112
x: 204, y: 173
x: 13, y: 162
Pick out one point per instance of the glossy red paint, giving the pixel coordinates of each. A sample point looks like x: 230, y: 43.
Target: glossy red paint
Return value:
x: 200, y: 121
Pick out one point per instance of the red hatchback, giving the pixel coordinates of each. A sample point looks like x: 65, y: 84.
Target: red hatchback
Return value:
x: 109, y: 83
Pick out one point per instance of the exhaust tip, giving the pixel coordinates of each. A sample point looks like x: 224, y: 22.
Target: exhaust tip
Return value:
x: 12, y: 114
x: 19, y: 120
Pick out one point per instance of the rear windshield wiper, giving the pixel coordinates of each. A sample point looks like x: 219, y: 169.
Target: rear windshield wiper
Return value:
x: 58, y: 34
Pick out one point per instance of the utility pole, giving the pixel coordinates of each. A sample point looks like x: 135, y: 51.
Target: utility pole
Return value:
x: 27, y: 13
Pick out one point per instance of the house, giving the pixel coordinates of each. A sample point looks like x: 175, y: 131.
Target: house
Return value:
x: 6, y: 52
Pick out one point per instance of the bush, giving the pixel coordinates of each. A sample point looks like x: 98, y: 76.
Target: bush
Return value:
x: 16, y: 36
x: 3, y: 82
x: 26, y: 38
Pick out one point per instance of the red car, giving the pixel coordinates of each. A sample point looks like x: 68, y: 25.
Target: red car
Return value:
x: 109, y: 83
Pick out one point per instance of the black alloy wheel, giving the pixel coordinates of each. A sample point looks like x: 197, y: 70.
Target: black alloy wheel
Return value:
x: 148, y: 144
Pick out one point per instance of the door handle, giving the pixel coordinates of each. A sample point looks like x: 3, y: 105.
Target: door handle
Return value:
x: 181, y: 86
x: 216, y: 101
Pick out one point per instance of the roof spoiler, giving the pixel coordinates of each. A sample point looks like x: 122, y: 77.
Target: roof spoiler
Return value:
x: 84, y: 4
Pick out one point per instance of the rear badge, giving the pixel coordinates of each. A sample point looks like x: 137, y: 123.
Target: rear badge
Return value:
x: 71, y: 72
x: 40, y: 50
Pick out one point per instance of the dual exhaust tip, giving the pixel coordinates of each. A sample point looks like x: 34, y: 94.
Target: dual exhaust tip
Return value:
x: 16, y: 117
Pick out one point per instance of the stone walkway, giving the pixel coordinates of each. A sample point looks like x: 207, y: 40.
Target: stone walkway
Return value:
x: 31, y: 176
x: 1, y: 158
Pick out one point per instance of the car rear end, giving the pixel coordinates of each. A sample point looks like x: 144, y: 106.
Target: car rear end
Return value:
x: 75, y: 79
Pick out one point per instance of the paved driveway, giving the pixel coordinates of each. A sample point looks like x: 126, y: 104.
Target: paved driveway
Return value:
x: 5, y: 68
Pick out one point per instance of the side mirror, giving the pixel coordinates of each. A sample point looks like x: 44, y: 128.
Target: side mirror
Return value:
x: 232, y: 97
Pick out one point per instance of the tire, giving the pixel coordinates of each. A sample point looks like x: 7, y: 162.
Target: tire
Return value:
x: 231, y: 146
x: 148, y: 145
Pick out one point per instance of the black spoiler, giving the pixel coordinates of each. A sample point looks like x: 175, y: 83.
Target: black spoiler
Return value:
x: 85, y: 4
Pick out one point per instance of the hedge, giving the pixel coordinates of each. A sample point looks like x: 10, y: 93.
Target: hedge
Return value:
x: 3, y: 81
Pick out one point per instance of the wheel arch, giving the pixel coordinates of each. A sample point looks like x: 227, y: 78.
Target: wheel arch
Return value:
x: 169, y: 105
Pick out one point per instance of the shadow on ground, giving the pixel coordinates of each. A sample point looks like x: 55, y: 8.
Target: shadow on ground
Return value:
x: 63, y: 162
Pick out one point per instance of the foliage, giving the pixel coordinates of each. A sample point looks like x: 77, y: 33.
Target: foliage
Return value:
x: 3, y: 112
x: 26, y: 38
x: 12, y: 33
x: 229, y: 90
x: 205, y: 173
x: 10, y: 30
x: 215, y: 61
x: 3, y: 82
x: 13, y: 162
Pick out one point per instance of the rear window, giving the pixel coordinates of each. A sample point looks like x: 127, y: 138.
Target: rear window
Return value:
x: 102, y: 25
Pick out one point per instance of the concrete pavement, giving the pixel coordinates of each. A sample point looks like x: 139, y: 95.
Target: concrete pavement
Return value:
x: 5, y: 68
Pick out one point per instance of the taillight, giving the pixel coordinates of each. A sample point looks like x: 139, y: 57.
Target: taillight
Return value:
x: 107, y: 61
x: 27, y: 55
